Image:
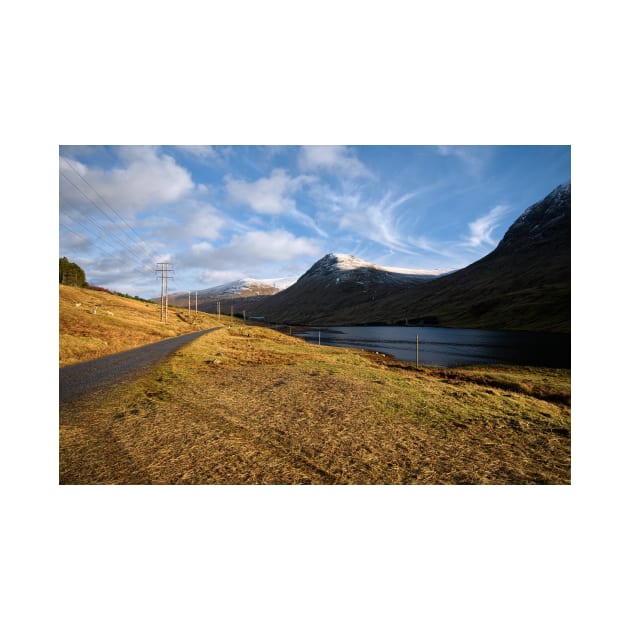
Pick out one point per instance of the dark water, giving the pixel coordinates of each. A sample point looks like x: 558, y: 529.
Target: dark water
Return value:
x: 448, y: 347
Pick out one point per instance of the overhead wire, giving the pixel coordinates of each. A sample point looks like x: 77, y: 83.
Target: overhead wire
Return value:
x: 83, y: 236
x: 108, y: 237
x: 113, y: 221
x: 144, y: 262
x: 134, y: 240
x: 131, y: 229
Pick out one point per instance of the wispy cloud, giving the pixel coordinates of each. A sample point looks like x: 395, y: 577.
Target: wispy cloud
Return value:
x: 473, y: 158
x: 427, y: 245
x: 480, y: 230
x: 377, y: 221
x: 199, y: 151
x: 274, y: 195
x: 333, y: 159
x: 268, y: 195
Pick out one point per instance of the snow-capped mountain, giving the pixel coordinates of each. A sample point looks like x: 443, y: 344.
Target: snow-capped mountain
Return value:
x: 343, y: 267
x: 336, y: 282
x: 547, y: 218
x: 245, y: 287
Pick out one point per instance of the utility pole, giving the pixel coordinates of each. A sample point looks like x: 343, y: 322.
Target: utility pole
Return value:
x: 188, y: 303
x: 164, y: 269
x: 219, y: 310
x: 195, y: 303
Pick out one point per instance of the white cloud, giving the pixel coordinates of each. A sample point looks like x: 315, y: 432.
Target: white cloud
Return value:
x: 201, y: 250
x: 334, y: 159
x: 248, y: 250
x: 203, y: 152
x: 71, y: 240
x: 276, y: 245
x: 204, y: 223
x: 427, y: 245
x: 474, y: 158
x: 146, y: 178
x: 197, y: 221
x: 481, y: 229
x: 268, y: 195
x: 217, y: 277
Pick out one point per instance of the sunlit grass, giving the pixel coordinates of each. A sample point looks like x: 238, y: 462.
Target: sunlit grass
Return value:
x: 248, y: 405
x: 93, y: 324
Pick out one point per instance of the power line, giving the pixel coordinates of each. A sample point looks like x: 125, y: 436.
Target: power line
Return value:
x: 130, y: 242
x: 141, y: 240
x: 83, y: 236
x: 164, y: 268
x: 92, y: 202
x: 100, y: 210
x: 105, y: 236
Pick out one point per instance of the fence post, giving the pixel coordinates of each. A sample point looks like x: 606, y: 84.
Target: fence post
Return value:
x: 417, y: 344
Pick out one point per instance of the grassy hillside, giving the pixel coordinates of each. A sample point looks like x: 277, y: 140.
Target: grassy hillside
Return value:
x: 249, y: 405
x: 93, y: 324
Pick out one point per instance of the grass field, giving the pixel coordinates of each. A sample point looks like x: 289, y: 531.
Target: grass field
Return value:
x: 249, y: 405
x: 93, y: 324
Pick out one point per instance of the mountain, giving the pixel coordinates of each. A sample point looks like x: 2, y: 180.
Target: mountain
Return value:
x: 238, y: 295
x: 335, y: 283
x: 245, y: 287
x: 524, y: 284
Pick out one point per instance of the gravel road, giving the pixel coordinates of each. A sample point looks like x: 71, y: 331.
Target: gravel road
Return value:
x: 82, y: 378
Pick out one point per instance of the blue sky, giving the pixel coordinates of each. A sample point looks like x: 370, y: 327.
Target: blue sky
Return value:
x: 226, y: 212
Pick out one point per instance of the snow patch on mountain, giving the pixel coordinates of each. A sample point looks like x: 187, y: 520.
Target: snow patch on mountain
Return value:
x: 347, y: 262
x: 549, y: 208
x: 540, y: 219
x: 249, y: 286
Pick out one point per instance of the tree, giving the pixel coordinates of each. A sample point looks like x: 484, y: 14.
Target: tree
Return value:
x: 71, y: 274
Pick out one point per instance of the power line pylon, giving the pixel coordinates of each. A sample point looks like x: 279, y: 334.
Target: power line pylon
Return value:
x: 165, y: 269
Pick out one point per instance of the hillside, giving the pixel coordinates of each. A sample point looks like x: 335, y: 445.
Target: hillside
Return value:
x: 237, y: 296
x: 524, y: 284
x: 93, y: 324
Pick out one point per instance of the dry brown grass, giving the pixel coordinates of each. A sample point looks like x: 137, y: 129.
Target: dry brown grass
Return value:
x: 93, y: 324
x: 247, y: 405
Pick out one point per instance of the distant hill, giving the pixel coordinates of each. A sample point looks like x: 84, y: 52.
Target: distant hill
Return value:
x: 238, y: 295
x: 524, y: 284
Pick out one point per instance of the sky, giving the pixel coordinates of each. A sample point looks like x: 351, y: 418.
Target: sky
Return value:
x: 222, y: 213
